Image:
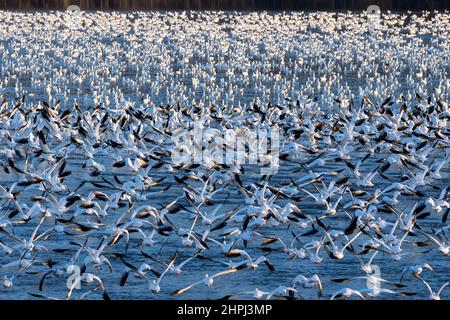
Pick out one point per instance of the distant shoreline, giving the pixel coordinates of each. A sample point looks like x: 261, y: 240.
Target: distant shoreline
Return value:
x: 206, y: 10
x: 228, y: 5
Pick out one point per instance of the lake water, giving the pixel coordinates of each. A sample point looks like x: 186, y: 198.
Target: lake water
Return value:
x: 227, y: 60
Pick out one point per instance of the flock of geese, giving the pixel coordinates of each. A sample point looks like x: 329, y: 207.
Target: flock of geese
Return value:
x: 89, y: 107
